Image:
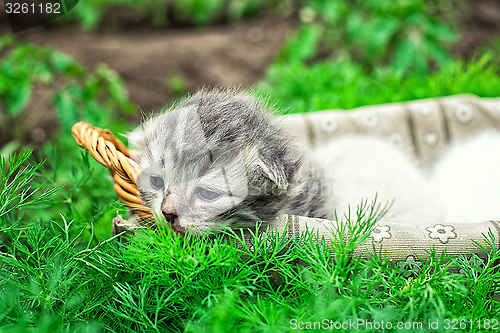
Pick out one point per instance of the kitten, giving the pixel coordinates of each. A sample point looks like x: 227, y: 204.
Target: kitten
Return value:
x: 221, y: 159
x: 217, y: 159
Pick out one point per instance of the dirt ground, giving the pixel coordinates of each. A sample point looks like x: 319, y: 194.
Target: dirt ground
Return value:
x: 225, y: 55
x: 481, y: 24
x: 232, y: 55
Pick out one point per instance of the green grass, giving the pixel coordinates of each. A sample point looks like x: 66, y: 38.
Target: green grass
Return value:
x: 71, y: 93
x: 53, y: 280
x: 296, y: 87
x: 61, y: 271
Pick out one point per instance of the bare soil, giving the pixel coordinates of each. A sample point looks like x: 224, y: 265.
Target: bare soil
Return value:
x: 228, y: 56
x: 481, y: 25
x: 224, y: 55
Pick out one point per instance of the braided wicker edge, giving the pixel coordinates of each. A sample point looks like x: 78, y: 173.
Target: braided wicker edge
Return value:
x: 109, y: 151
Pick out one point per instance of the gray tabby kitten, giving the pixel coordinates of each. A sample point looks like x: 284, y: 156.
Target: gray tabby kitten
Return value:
x: 220, y: 158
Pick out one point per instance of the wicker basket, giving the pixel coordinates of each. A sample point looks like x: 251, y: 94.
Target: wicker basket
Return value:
x: 425, y: 127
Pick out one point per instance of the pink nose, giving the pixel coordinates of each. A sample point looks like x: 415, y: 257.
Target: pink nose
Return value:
x: 168, y: 208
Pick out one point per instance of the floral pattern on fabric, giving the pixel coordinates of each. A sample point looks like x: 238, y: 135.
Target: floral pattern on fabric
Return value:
x: 330, y: 126
x: 431, y: 139
x: 441, y: 232
x: 410, y: 264
x: 381, y: 232
x: 464, y: 113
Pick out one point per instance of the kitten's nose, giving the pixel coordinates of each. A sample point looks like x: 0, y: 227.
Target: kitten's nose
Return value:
x: 168, y: 209
x: 169, y: 217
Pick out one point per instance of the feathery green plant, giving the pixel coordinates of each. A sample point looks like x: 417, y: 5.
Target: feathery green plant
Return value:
x: 53, y: 280
x: 16, y: 185
x: 60, y: 273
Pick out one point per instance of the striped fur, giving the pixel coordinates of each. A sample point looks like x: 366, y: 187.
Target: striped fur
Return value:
x: 230, y: 139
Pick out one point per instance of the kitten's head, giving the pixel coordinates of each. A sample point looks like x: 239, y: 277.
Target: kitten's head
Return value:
x: 216, y: 159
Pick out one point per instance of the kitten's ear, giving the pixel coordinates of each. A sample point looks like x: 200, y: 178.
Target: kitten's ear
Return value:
x: 137, y: 138
x: 275, y: 171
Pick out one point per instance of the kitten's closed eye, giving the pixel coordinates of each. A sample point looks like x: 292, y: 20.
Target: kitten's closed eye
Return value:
x: 156, y: 182
x: 206, y: 194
